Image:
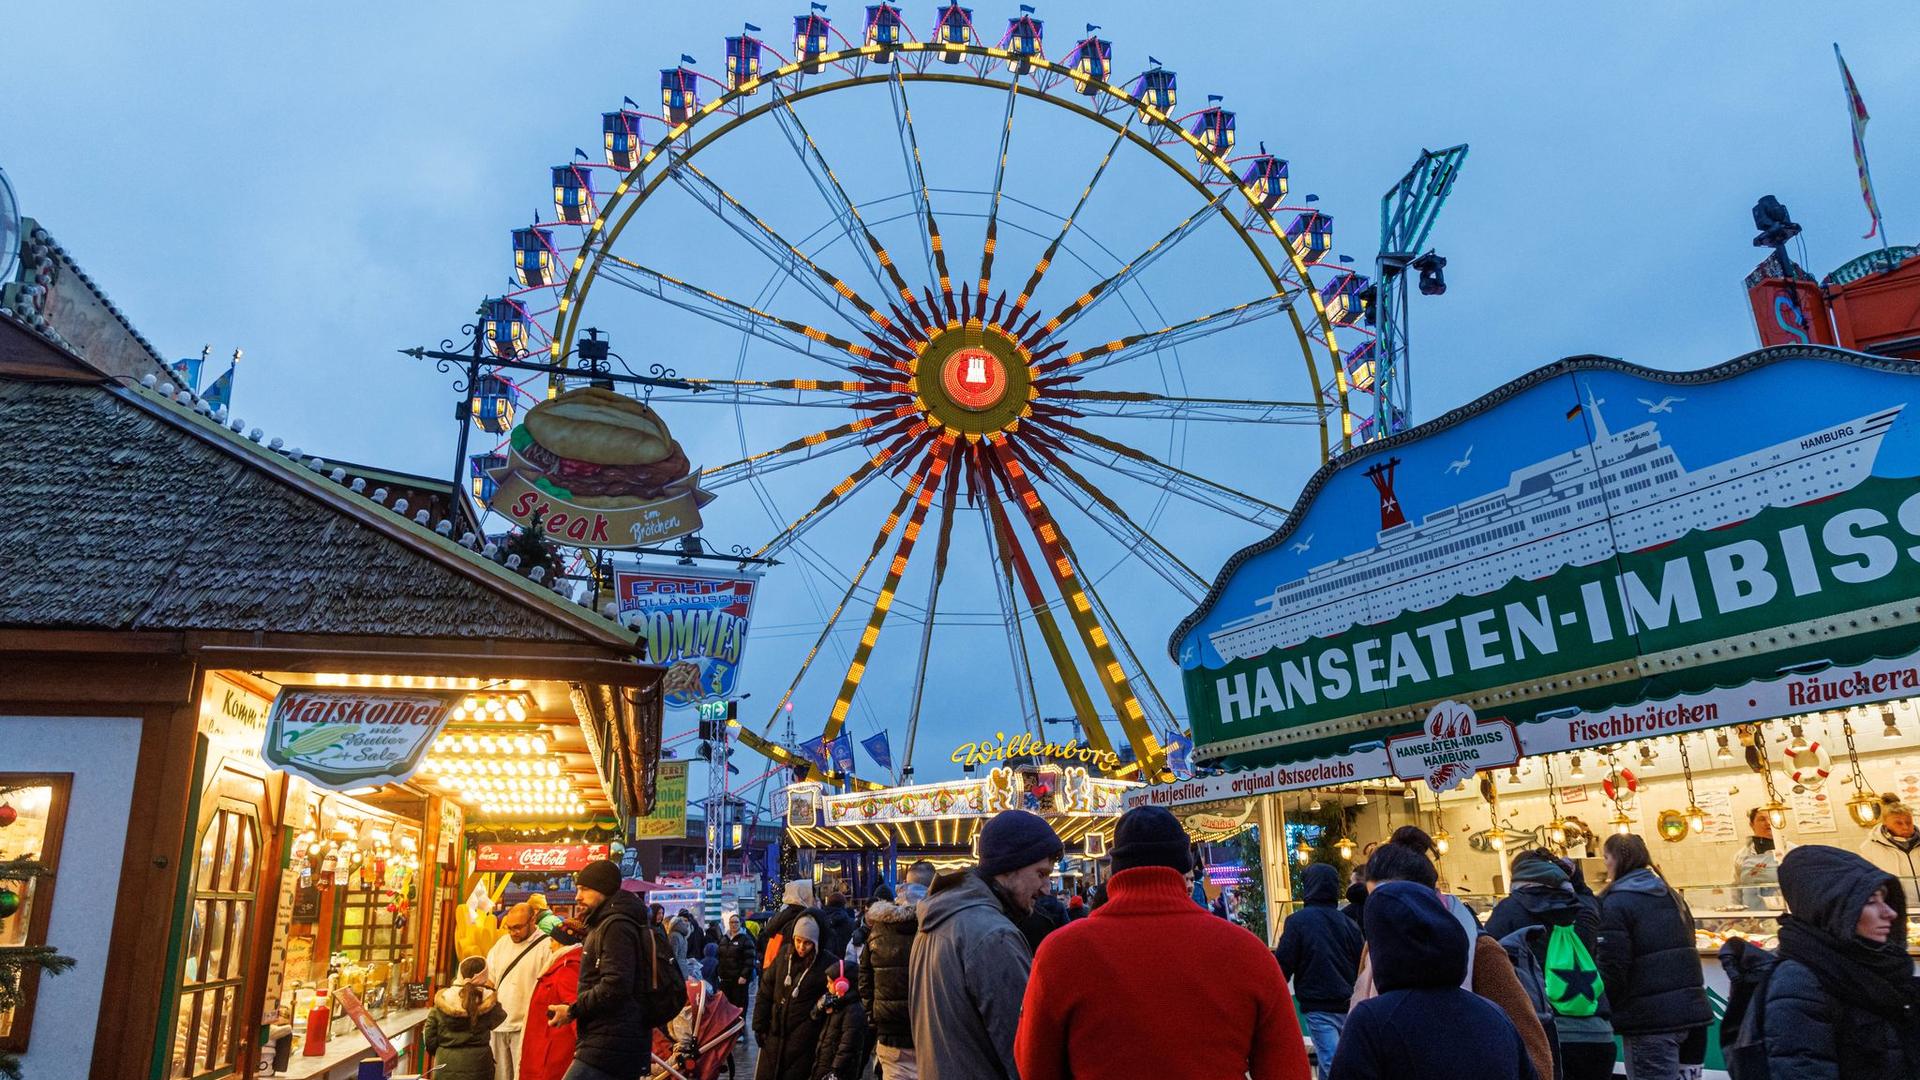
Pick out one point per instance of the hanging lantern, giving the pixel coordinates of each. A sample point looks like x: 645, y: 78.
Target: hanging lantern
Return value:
x: 492, y: 404
x: 1442, y: 841
x: 679, y: 94
x: 533, y: 257
x: 1622, y: 824
x: 1557, y: 831
x: 504, y: 326
x: 1696, y: 819
x: 743, y: 61
x: 1345, y: 846
x: 1864, y: 808
x: 483, y: 467
x: 1315, y: 804
x: 1092, y: 61
x: 572, y: 195
x: 1310, y: 235
x: 1265, y: 179
x: 620, y: 133
x: 1302, y: 854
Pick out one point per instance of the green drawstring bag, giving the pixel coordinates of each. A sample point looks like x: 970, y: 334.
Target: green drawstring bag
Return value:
x: 1573, y: 985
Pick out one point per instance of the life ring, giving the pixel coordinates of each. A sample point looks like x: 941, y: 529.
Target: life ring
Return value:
x: 1614, y: 792
x: 1811, y: 766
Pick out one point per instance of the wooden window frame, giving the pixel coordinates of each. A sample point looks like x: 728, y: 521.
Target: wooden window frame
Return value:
x: 224, y: 892
x: 61, y: 783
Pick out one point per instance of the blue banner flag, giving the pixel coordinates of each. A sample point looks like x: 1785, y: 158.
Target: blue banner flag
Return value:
x: 752, y: 29
x: 842, y: 748
x: 685, y: 59
x: 814, y: 750
x: 877, y: 749
x: 188, y: 372
x: 220, y: 394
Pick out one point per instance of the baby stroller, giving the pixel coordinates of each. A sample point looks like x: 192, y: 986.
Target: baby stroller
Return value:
x: 702, y: 1037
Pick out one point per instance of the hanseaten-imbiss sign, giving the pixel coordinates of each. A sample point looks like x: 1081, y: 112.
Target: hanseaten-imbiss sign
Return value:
x: 1595, y: 552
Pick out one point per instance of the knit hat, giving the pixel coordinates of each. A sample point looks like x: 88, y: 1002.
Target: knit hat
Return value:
x: 1150, y: 836
x: 805, y: 929
x: 1016, y: 838
x: 601, y: 875
x: 1076, y: 902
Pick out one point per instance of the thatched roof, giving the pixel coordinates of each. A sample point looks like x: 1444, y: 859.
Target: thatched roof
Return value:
x: 121, y: 509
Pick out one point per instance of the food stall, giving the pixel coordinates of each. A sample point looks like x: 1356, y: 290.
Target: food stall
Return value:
x: 241, y: 681
x: 1601, y: 598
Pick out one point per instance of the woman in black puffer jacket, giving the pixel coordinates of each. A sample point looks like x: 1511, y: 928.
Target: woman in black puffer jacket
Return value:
x: 1842, y: 1003
x: 738, y: 961
x: 1649, y: 962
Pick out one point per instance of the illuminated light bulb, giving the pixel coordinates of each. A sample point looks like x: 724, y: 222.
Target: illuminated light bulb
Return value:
x: 1696, y: 819
x: 1622, y: 824
x: 487, y: 744
x: 1864, y: 808
x: 539, y: 746
x: 1302, y: 853
x: 1442, y: 841
x: 470, y: 704
x: 1498, y: 842
x: 1409, y: 794
x: 521, y: 744
x: 493, y: 767
x: 1345, y: 846
x: 1776, y: 814
x: 1315, y: 804
x: 1557, y: 831
x: 1362, y: 800
x: 516, y: 710
x: 467, y: 744
x: 494, y: 707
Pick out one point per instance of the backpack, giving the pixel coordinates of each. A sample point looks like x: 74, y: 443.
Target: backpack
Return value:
x: 1743, y: 1027
x: 1572, y: 980
x: 1526, y: 966
x: 664, y: 992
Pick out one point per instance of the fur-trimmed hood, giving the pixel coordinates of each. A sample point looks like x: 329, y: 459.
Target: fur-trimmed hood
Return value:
x: 449, y: 1001
x: 889, y: 911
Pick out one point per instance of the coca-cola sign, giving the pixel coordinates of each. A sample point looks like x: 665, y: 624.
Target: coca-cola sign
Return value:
x: 536, y: 858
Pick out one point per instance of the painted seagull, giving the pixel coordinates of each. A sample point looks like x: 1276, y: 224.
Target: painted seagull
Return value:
x: 1187, y: 654
x: 1301, y: 546
x: 1665, y: 405
x: 1460, y: 466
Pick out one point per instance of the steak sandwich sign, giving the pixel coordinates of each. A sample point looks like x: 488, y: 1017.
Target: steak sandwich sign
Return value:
x: 1593, y: 553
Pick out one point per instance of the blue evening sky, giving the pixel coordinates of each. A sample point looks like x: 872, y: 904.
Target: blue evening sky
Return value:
x: 324, y: 184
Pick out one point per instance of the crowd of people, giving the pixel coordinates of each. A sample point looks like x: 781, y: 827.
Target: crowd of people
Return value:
x: 983, y: 974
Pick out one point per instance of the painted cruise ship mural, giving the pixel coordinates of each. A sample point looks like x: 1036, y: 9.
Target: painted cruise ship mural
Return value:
x: 1592, y: 534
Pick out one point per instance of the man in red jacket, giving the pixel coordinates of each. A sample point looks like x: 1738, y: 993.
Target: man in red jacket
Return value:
x: 1151, y: 984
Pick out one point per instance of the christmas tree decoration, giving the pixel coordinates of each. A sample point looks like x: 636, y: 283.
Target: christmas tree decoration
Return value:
x: 9, y: 902
x: 8, y: 815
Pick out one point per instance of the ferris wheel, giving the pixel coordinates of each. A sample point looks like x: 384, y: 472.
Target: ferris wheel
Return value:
x: 1011, y: 331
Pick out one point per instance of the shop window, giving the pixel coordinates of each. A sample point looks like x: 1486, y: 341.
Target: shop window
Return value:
x: 207, y: 1040
x: 33, y: 812
x: 367, y: 932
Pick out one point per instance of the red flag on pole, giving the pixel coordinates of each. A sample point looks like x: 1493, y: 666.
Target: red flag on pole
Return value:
x: 1857, y: 113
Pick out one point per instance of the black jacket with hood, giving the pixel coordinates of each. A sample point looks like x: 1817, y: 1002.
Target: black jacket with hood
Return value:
x: 836, y: 930
x: 1422, y: 1023
x: 1319, y: 946
x: 611, y: 1028
x: 785, y: 1023
x: 842, y: 1049
x: 891, y: 928
x: 1530, y: 905
x: 1827, y: 1017
x: 1648, y: 959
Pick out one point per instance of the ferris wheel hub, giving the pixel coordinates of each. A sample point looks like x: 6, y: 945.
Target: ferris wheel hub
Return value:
x: 973, y: 380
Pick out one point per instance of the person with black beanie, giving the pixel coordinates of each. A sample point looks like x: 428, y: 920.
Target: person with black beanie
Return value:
x: 1320, y: 951
x: 1843, y: 1003
x: 613, y: 1037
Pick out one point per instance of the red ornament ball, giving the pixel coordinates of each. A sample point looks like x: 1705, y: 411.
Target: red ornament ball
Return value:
x: 9, y: 902
x: 7, y: 815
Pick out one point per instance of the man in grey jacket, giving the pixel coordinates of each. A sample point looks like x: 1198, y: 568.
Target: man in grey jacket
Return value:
x: 968, y: 970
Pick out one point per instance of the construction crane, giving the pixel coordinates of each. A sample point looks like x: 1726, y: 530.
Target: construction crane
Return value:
x: 1407, y: 214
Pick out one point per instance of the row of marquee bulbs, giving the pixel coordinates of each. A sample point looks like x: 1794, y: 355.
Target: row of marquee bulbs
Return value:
x: 456, y: 769
x: 535, y: 745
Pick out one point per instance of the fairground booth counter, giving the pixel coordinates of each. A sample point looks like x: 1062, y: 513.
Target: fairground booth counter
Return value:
x: 251, y: 702
x: 853, y: 841
x: 1600, y: 599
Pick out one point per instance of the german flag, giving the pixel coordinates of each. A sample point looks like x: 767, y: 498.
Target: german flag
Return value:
x: 1575, y: 411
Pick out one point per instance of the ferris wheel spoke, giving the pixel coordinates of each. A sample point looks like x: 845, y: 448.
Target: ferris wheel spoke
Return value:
x: 1066, y: 226
x: 853, y: 482
x: 941, y: 456
x: 948, y: 503
x: 778, y: 250
x: 1016, y: 636
x: 1015, y: 568
x: 1121, y: 350
x: 1147, y: 469
x: 796, y: 336
x: 1103, y: 511
x: 1131, y: 270
x: 805, y: 448
x: 790, y: 393
x: 922, y: 199
x: 875, y: 256
x: 887, y: 528
x: 985, y: 288
x: 1139, y: 405
x: 1093, y: 637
